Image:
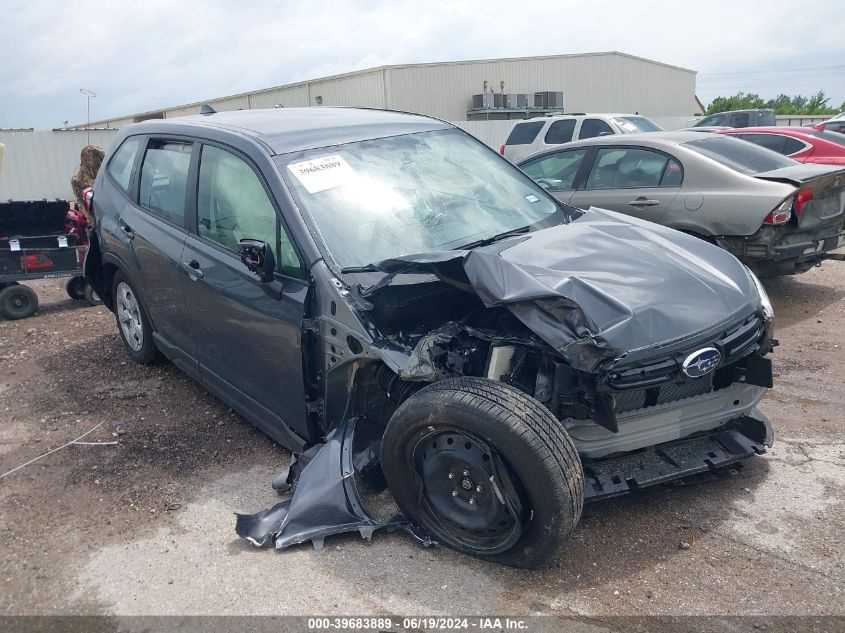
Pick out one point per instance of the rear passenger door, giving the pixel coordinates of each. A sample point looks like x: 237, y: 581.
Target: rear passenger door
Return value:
x: 633, y: 180
x: 590, y: 128
x: 247, y: 332
x: 153, y: 228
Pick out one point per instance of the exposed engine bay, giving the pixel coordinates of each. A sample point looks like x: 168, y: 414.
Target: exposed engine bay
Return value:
x: 639, y: 414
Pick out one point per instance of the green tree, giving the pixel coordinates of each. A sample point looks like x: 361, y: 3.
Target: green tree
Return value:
x: 782, y: 104
x: 739, y: 101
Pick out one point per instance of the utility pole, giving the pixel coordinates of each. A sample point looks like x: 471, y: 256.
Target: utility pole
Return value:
x: 88, y: 94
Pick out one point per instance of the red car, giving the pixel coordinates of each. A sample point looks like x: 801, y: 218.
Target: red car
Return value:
x: 804, y: 144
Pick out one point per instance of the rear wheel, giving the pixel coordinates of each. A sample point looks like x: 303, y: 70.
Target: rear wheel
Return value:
x: 484, y: 469
x: 18, y: 302
x: 133, y: 322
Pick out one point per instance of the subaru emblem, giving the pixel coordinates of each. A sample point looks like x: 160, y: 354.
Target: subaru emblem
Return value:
x: 702, y: 362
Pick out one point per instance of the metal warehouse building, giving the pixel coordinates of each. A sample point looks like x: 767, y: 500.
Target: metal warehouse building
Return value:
x: 593, y: 82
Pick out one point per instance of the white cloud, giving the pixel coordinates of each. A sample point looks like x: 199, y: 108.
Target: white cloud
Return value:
x: 143, y: 55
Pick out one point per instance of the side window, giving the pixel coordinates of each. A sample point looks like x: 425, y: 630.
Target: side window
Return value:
x: 774, y: 142
x: 594, y: 127
x: 740, y: 119
x: 164, y: 179
x: 716, y: 119
x: 673, y: 175
x: 560, y: 132
x: 232, y: 205
x: 120, y: 165
x: 557, y: 171
x: 632, y: 168
x: 524, y: 133
x: 792, y: 146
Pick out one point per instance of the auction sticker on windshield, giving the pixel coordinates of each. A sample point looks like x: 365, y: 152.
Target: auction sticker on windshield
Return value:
x: 323, y: 173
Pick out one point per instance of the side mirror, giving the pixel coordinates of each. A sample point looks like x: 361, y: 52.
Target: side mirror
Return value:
x: 257, y: 256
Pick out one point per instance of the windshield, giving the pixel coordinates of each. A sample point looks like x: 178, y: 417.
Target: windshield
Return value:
x: 742, y: 156
x: 382, y: 198
x: 634, y: 124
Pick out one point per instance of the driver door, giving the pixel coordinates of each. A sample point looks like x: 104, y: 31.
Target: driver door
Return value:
x: 558, y: 172
x: 247, y: 333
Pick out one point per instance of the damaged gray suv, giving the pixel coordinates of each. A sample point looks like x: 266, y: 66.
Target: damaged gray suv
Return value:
x: 401, y: 307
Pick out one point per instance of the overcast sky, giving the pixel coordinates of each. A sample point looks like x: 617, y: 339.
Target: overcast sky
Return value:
x: 155, y: 53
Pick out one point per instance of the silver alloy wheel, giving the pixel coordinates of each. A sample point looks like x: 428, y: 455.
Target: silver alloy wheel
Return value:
x: 129, y: 317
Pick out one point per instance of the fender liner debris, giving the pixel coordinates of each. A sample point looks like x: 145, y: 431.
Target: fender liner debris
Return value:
x: 325, y: 501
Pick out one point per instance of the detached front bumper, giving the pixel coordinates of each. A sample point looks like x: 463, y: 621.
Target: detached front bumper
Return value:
x: 775, y: 250
x: 742, y: 438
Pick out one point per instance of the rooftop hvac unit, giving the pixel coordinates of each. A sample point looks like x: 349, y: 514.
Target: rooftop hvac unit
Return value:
x: 517, y: 101
x: 553, y: 100
x: 539, y: 101
x: 498, y: 100
x: 485, y: 101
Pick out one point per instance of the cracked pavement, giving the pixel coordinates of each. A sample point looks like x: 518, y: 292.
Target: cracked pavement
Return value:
x: 146, y: 526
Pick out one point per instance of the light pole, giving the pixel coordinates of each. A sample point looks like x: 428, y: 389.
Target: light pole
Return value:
x: 88, y: 94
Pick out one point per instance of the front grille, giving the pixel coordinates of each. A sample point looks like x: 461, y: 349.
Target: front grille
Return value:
x: 733, y: 344
x: 633, y: 399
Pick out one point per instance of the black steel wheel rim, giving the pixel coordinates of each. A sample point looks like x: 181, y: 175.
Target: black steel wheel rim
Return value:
x: 467, y: 490
x: 20, y: 301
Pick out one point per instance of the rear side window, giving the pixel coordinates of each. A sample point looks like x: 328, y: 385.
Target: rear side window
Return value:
x: 746, y: 158
x: 524, y: 133
x: 630, y: 168
x: 766, y: 118
x: 164, y: 179
x: 793, y: 146
x: 120, y: 165
x: 557, y: 171
x: 560, y: 132
x: 740, y: 119
x: 774, y: 142
x: 594, y: 127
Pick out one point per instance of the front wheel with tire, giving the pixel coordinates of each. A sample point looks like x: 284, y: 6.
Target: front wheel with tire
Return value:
x: 18, y: 302
x: 485, y: 469
x: 133, y: 322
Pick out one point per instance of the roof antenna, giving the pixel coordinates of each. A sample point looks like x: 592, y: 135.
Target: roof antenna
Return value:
x: 207, y: 109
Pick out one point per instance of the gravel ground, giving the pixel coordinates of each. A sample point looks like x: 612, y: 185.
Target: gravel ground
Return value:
x: 145, y: 525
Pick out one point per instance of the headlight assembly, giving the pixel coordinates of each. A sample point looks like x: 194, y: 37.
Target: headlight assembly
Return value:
x: 765, y: 303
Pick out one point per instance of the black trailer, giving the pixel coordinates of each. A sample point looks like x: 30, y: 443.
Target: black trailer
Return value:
x: 40, y: 239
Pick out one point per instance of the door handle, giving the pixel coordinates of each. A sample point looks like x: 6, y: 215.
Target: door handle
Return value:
x: 642, y: 201
x: 127, y: 230
x: 194, y: 270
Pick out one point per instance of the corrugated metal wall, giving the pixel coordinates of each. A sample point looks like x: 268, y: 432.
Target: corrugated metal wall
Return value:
x: 363, y: 90
x: 294, y: 96
x: 493, y: 133
x: 590, y: 83
x: 40, y: 164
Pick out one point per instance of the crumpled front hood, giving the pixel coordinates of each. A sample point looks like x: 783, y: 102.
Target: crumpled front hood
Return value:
x: 601, y: 286
x: 639, y: 284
